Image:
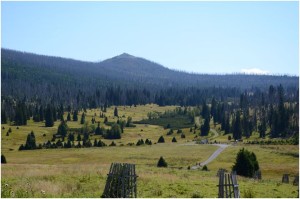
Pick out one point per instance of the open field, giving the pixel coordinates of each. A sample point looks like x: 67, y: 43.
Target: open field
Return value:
x: 82, y: 172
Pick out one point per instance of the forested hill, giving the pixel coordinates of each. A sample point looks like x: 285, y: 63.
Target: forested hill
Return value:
x: 123, y: 70
x: 124, y: 79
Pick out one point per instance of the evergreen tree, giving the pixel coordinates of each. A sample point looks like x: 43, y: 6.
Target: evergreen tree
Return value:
x: 116, y: 112
x: 71, y: 137
x: 246, y: 163
x: 227, y: 125
x: 237, y: 130
x: 49, y: 122
x: 213, y: 110
x: 262, y: 128
x: 62, y: 129
x: 95, y: 143
x: 246, y: 124
x: 205, y: 110
x: 41, y: 112
x: 75, y: 115
x: 78, y: 137
x: 205, y: 127
x: 82, y: 120
x: 174, y: 139
x: 98, y: 130
x: 161, y: 162
x: 54, y: 112
x: 129, y: 120
x: 36, y: 115
x: 69, y: 116
x: 30, y: 142
x: 68, y: 144
x: 161, y: 139
x: 114, y: 132
x: 20, y: 115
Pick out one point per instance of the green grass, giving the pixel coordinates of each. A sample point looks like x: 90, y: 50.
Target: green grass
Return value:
x: 82, y: 172
x: 177, y: 122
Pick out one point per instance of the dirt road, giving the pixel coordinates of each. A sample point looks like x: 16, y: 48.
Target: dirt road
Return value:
x: 213, y: 156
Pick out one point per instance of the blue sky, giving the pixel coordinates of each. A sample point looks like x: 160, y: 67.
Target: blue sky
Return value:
x: 203, y: 37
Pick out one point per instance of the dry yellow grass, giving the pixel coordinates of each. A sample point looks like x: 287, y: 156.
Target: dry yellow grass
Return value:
x: 82, y: 172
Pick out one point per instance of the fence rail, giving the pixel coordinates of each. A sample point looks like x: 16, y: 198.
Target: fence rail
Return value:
x: 228, y: 186
x: 121, y: 181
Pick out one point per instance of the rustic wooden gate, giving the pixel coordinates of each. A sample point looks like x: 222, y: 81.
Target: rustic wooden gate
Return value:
x: 228, y: 186
x: 121, y: 181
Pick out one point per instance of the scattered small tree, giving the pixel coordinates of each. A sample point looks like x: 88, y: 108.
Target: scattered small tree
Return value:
x: 98, y: 130
x: 161, y: 139
x: 75, y: 115
x: 82, y: 120
x: 62, y: 129
x: 174, y: 139
x: 204, y: 168
x: 161, y: 162
x: 69, y: 117
x: 116, y: 112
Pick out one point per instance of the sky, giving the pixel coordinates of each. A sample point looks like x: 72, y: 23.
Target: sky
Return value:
x: 201, y: 37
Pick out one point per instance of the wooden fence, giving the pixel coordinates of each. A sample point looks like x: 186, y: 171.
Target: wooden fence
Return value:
x: 121, y: 181
x: 228, y: 186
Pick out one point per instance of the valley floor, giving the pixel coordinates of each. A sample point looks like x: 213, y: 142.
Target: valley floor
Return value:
x: 82, y: 172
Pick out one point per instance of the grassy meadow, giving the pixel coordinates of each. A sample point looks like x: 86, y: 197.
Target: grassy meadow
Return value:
x: 82, y: 172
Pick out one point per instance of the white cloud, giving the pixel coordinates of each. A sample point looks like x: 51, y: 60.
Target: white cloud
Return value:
x: 255, y: 71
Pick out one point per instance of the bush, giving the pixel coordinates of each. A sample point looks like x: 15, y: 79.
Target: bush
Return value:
x: 3, y: 159
x: 174, y: 139
x: 204, y: 168
x: 182, y: 135
x: 161, y: 162
x: 179, y: 131
x: 229, y: 137
x: 246, y: 163
x: 161, y: 139
x: 170, y: 132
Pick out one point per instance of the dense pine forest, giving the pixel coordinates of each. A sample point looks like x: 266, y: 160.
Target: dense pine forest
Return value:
x: 44, y: 87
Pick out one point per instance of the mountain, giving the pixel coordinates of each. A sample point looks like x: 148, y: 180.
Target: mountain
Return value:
x: 30, y: 76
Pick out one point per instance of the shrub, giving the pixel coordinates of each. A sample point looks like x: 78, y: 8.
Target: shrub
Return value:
x: 229, y: 137
x: 204, y: 168
x: 179, y: 131
x: 113, y: 144
x: 246, y: 163
x: 161, y: 139
x: 161, y: 162
x: 174, y: 139
x: 182, y: 135
x: 170, y: 132
x: 3, y: 159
